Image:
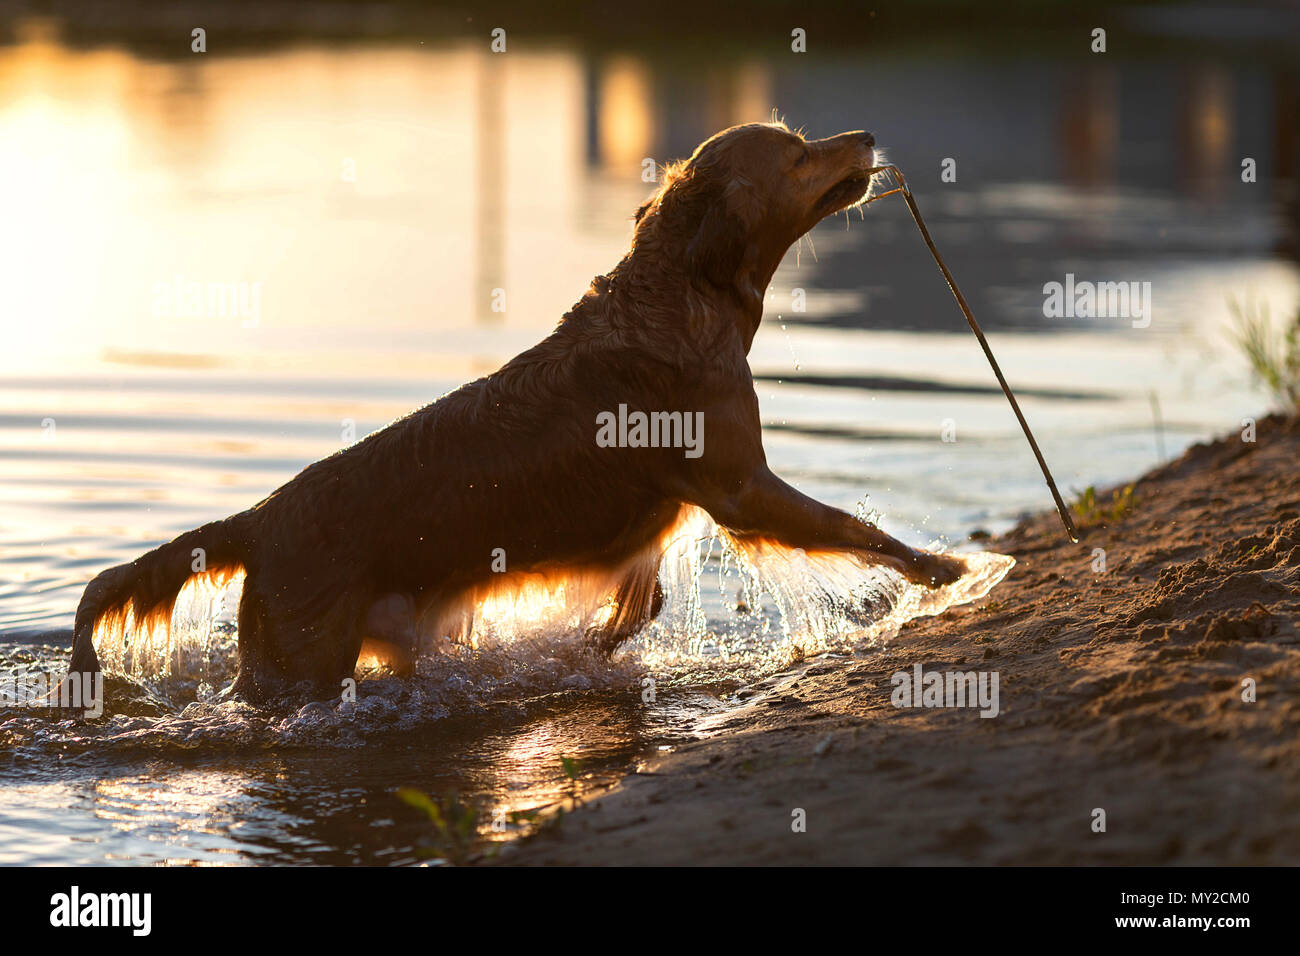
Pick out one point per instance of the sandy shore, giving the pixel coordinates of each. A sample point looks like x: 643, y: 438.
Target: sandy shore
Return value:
x: 1120, y: 691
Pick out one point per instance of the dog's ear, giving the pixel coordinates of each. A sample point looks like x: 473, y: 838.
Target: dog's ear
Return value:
x: 671, y: 175
x: 717, y: 250
x: 699, y: 221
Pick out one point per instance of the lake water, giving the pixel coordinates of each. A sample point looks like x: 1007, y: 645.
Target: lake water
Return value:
x: 364, y: 201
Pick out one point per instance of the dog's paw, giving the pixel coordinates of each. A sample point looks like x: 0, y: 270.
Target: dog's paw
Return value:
x: 935, y: 570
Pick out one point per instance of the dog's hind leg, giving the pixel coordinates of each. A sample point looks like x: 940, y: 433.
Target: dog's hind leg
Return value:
x: 252, y: 681
x: 389, y: 635
x: 636, y: 601
x: 282, y: 645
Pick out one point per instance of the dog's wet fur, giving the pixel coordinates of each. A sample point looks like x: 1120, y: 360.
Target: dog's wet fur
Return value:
x: 397, y: 535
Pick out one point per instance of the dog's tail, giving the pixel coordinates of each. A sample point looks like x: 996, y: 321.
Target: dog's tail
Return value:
x: 144, y: 591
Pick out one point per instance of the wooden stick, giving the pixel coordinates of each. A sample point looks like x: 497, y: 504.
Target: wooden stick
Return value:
x: 1061, y: 508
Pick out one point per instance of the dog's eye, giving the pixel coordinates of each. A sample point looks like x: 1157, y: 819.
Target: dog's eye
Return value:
x: 803, y: 157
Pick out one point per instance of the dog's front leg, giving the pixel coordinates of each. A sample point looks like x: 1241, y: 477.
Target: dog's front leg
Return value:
x: 762, y: 506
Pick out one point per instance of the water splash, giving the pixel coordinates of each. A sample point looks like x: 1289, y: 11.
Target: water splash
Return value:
x: 729, y: 615
x: 788, y: 604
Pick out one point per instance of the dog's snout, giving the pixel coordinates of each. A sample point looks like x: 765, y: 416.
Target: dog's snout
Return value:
x: 855, y: 139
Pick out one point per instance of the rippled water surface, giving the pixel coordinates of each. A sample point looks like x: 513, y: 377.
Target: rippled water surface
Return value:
x: 365, y: 201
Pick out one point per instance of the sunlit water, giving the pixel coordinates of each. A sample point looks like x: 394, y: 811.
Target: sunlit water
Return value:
x: 365, y: 203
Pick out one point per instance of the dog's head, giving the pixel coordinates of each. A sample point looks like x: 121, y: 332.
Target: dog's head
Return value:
x: 730, y: 212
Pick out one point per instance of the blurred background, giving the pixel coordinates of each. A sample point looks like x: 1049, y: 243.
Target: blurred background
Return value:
x: 220, y: 266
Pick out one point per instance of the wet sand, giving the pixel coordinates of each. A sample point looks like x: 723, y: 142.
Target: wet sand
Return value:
x: 1119, y: 690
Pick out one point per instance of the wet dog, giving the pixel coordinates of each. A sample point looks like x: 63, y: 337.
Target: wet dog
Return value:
x: 572, y: 463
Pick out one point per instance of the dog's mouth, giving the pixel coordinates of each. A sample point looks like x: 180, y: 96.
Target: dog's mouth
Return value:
x: 844, y: 193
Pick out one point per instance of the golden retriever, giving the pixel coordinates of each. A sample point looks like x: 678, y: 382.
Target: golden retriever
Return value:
x: 573, y: 462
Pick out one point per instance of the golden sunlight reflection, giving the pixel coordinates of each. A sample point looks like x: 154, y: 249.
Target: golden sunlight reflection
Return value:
x: 193, y: 803
x: 627, y: 132
x: 754, y: 100
x: 63, y: 198
x: 172, y: 815
x: 136, y: 177
x: 1205, y: 128
x: 527, y: 783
